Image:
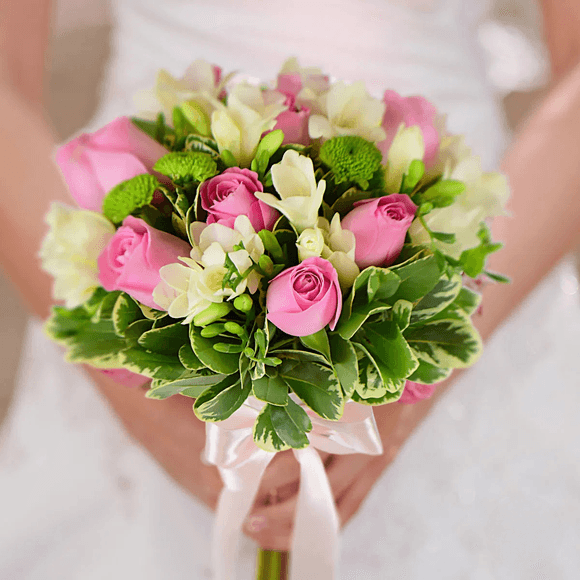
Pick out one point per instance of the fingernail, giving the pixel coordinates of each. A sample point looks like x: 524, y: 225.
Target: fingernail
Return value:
x: 255, y: 523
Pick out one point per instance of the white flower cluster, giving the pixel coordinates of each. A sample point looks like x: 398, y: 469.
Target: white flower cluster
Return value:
x: 188, y: 289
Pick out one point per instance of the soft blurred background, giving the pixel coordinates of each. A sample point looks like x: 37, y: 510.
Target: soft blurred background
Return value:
x: 511, y: 36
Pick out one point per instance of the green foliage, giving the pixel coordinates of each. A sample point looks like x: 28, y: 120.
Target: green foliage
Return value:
x: 190, y: 387
x: 442, y: 194
x: 128, y: 196
x: 224, y: 363
x: 317, y: 386
x: 442, y: 295
x: 166, y: 340
x: 317, y: 342
x: 473, y: 260
x: 401, y: 313
x: 125, y: 312
x: 271, y: 389
x: 344, y: 361
x: 428, y: 374
x: 265, y: 435
x: 220, y: 401
x: 183, y: 167
x: 447, y: 340
x: 418, y: 277
x: 371, y: 290
x: 351, y: 159
x: 270, y: 143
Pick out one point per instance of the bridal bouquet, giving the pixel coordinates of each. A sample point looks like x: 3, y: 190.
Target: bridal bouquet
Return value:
x: 292, y: 250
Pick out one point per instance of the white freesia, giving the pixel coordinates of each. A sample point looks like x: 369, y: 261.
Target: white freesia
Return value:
x: 484, y: 197
x: 348, y: 110
x: 301, y: 196
x: 186, y: 290
x: 310, y: 243
x: 407, y: 146
x: 198, y: 87
x: 70, y: 250
x: 339, y: 250
x: 238, y: 127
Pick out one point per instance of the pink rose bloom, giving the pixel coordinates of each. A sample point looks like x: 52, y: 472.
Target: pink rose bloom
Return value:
x: 415, y: 392
x: 379, y: 226
x: 125, y: 377
x: 132, y: 259
x: 230, y: 194
x: 94, y: 163
x: 303, y: 299
x: 413, y: 111
x: 294, y: 122
x: 292, y: 83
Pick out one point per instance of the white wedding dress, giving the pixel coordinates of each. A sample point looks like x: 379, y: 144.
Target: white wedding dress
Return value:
x: 487, y: 488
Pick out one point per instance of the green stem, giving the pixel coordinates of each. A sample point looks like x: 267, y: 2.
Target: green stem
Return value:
x: 271, y: 565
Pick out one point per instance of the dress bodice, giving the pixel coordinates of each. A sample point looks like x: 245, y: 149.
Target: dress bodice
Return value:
x: 412, y: 46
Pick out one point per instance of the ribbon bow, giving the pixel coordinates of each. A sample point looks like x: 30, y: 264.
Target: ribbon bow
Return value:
x: 230, y: 446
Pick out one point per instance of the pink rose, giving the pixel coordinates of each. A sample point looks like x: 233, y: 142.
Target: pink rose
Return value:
x: 93, y: 163
x: 294, y: 122
x: 415, y: 392
x: 303, y: 299
x: 379, y: 226
x: 132, y: 259
x: 293, y: 83
x: 230, y: 194
x: 412, y: 111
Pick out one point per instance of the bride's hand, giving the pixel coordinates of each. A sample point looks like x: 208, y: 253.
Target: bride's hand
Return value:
x: 175, y: 437
x: 351, y: 477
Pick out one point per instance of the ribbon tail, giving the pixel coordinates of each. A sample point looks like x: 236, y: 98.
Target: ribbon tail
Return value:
x: 241, y: 486
x: 315, y: 539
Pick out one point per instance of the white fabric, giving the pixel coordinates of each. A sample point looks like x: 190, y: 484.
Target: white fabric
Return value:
x: 487, y: 487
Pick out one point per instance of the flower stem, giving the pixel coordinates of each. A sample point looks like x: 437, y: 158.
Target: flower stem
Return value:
x: 271, y: 565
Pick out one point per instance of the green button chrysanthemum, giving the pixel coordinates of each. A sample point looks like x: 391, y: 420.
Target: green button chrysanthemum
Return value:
x: 184, y: 166
x: 128, y: 196
x: 351, y: 158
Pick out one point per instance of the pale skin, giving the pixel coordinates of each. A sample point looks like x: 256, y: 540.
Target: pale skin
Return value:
x: 544, y: 171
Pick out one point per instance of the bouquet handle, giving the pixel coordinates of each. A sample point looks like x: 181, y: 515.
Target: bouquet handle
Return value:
x: 271, y: 565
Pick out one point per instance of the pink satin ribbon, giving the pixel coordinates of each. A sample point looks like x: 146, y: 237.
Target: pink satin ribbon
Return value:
x: 230, y: 446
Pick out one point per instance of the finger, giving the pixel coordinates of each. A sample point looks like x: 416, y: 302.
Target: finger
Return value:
x: 271, y: 526
x: 352, y: 497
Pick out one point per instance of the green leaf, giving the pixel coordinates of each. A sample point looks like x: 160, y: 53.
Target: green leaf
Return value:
x: 372, y: 287
x: 291, y: 424
x: 428, y: 374
x: 136, y: 329
x: 499, y: 278
x: 300, y: 356
x: 188, y: 359
x: 128, y: 196
x: 317, y: 386
x: 447, y: 341
x: 418, y: 277
x: 413, y: 176
x: 272, y: 245
x: 196, y: 117
x: 105, y: 309
x: 402, y: 313
x: 443, y: 193
x: 166, y: 340
x: 191, y: 387
x: 271, y: 390
x: 96, y: 344
x: 186, y: 166
x: 202, y: 144
x: 317, y: 342
x: 224, y: 363
x: 444, y: 293
x: 344, y: 361
x: 228, y: 158
x: 467, y: 300
x: 125, y: 312
x: 265, y: 435
x: 444, y: 237
x: 473, y: 260
x: 375, y: 386
x: 154, y: 365
x: 389, y: 348
x: 347, y: 200
x: 220, y: 401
